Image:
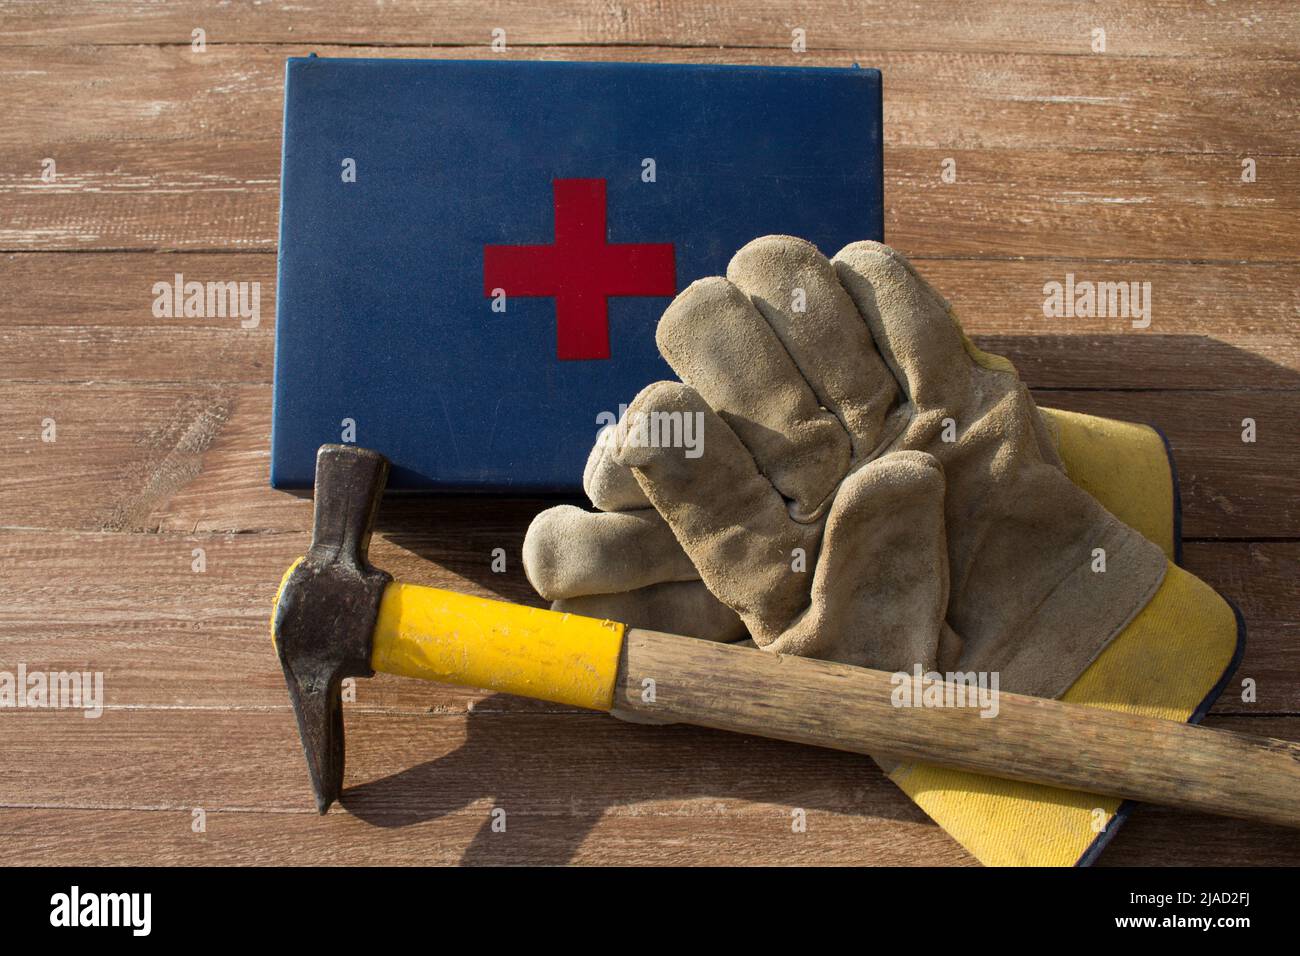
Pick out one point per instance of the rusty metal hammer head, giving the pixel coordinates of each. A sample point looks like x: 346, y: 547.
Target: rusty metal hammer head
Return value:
x: 325, y: 613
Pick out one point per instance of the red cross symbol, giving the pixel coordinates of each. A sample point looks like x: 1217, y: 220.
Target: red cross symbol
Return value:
x: 581, y: 269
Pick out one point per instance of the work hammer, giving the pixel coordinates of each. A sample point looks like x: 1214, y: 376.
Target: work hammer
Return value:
x: 336, y: 616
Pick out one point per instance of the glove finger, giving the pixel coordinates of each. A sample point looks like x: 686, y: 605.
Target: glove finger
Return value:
x: 678, y: 607
x: 794, y: 287
x: 733, y: 524
x: 718, y: 344
x: 569, y: 551
x: 609, y: 485
x: 880, y: 590
x: 911, y: 323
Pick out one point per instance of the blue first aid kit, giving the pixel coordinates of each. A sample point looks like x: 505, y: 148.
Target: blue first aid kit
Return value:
x: 474, y: 255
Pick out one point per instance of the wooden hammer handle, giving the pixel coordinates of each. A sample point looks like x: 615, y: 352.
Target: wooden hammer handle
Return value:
x: 1029, y: 739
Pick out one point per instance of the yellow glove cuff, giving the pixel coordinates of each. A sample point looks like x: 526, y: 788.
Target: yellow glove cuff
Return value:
x: 1171, y: 661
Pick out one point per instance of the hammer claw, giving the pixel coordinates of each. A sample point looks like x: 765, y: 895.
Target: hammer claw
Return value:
x: 319, y: 711
x: 326, y: 609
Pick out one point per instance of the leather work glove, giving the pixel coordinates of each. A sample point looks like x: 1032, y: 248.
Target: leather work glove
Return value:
x: 871, y: 488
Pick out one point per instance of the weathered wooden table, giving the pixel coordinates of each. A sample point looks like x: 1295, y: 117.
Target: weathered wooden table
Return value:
x: 143, y: 542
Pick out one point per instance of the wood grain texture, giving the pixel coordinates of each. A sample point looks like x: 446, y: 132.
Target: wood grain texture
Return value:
x: 1164, y: 27
x: 1213, y: 325
x: 194, y: 457
x: 670, y: 831
x: 1102, y: 184
x: 574, y: 787
x: 1122, y: 166
x: 232, y: 96
x: 825, y: 704
x: 1007, y: 203
x: 664, y: 831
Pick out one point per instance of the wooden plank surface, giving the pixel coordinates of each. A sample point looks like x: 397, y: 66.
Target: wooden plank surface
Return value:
x: 564, y: 781
x: 177, y: 456
x: 232, y: 95
x: 1163, y: 27
x: 1118, y: 166
x: 1128, y: 207
x: 1171, y: 138
x: 1213, y: 325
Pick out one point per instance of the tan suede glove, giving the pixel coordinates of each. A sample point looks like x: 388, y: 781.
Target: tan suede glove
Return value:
x: 811, y: 378
x: 621, y: 561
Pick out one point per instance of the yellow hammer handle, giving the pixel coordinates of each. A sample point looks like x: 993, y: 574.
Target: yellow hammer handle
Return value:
x: 455, y: 639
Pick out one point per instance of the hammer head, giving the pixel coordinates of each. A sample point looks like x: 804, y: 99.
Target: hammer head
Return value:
x: 325, y: 614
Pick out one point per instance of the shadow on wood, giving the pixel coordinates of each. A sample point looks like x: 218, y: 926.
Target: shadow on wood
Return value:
x: 501, y: 762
